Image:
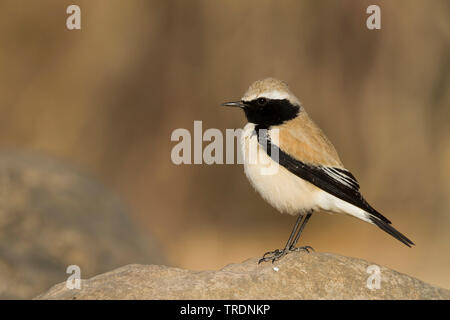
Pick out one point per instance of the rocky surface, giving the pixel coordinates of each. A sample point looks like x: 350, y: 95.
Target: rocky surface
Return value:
x: 52, y: 216
x: 296, y: 276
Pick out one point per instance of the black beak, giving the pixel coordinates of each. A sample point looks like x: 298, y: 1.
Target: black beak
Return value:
x: 238, y: 104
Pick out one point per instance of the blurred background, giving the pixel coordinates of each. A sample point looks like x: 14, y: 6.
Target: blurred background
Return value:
x: 86, y: 119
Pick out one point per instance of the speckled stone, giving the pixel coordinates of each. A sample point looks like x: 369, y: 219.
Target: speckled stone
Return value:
x: 296, y: 276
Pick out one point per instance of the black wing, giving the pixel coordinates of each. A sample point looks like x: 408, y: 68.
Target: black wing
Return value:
x: 336, y: 181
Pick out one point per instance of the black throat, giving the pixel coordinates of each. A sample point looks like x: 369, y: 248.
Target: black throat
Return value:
x: 270, y: 112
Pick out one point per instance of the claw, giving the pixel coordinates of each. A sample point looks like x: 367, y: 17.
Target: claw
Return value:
x: 277, y: 254
x: 273, y: 255
x: 305, y: 248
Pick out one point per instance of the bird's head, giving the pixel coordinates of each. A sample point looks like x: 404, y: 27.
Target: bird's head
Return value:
x: 268, y: 102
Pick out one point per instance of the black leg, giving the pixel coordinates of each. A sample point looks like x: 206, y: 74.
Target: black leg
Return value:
x: 294, y: 231
x: 300, y: 230
x: 292, y: 241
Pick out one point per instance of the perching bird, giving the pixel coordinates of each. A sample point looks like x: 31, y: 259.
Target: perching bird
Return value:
x: 309, y: 175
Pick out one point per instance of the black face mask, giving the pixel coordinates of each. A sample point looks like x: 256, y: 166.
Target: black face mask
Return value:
x: 270, y: 112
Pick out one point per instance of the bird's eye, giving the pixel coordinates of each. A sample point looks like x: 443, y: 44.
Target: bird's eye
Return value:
x: 261, y: 101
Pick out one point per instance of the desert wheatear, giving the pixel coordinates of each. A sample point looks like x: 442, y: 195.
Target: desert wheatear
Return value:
x: 311, y: 176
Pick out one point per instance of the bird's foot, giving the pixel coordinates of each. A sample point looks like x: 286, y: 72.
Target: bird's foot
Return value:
x: 304, y: 248
x: 273, y: 255
x: 278, y: 254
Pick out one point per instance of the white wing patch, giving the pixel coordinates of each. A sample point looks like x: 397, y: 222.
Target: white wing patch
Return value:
x: 342, y: 176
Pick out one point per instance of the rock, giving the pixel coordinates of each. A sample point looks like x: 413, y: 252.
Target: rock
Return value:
x: 52, y: 216
x: 296, y: 276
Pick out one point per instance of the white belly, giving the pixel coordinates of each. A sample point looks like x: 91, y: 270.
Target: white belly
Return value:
x: 282, y: 189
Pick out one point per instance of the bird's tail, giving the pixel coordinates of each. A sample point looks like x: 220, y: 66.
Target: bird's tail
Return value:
x: 392, y: 231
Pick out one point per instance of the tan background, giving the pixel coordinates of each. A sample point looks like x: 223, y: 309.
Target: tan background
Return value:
x: 107, y: 98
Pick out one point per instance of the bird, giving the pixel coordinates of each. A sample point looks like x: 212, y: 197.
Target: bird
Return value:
x: 309, y: 175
